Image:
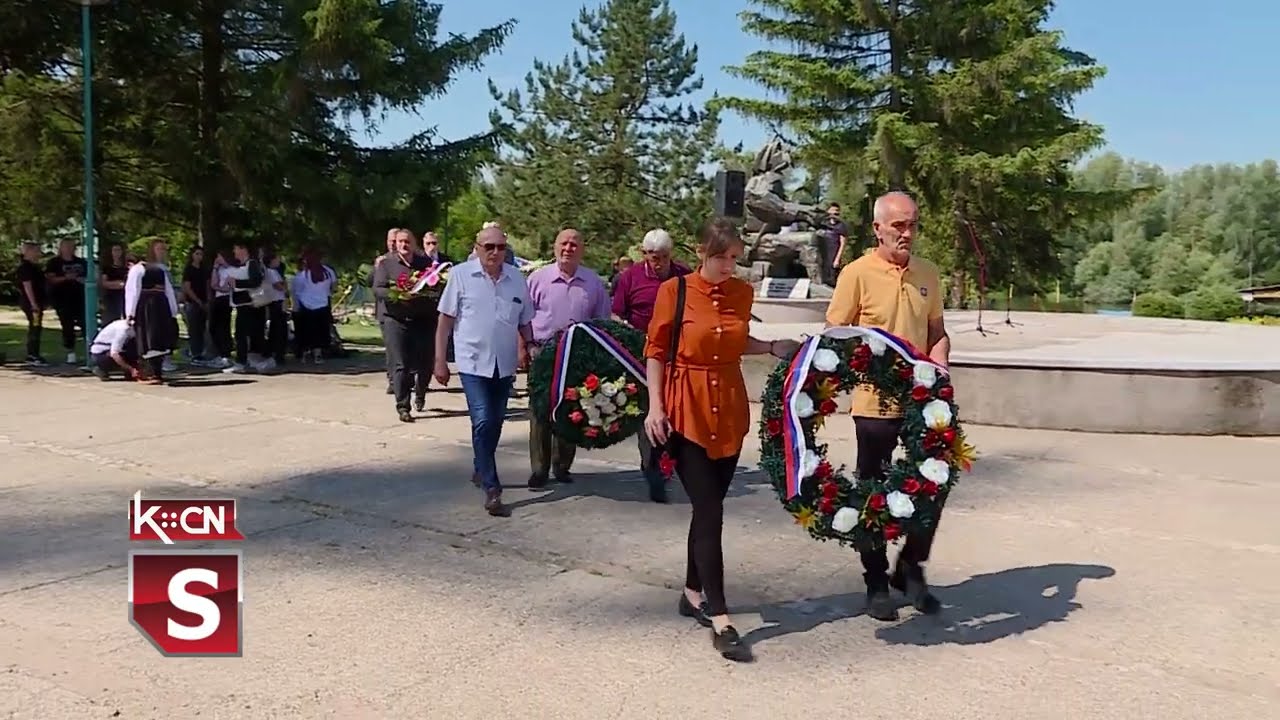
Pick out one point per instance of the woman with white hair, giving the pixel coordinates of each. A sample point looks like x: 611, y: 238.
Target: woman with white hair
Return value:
x: 633, y: 296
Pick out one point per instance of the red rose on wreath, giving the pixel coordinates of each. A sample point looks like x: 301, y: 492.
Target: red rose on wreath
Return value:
x: 911, y: 486
x: 592, y: 382
x: 591, y: 432
x: 402, y: 282
x: 930, y: 488
x: 631, y: 389
x: 948, y: 436
x: 830, y: 490
x: 571, y: 394
x: 827, y: 505
x: 892, y: 531
x: 906, y: 372
x: 576, y: 417
x: 919, y: 393
x: 858, y: 364
x: 613, y: 428
x: 827, y: 407
x: 774, y: 427
x: 946, y: 392
x: 862, y: 352
x: 876, y: 502
x: 824, y: 471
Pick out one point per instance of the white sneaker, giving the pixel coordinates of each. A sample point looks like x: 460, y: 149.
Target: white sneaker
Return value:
x: 267, y: 365
x: 222, y: 363
x: 168, y: 366
x: 71, y: 358
x: 234, y: 369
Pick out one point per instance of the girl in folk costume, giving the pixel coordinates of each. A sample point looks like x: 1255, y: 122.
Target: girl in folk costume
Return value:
x: 152, y: 310
x: 312, y: 315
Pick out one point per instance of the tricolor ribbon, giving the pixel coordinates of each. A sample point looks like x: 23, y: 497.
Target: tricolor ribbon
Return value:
x: 560, y: 370
x: 794, y: 447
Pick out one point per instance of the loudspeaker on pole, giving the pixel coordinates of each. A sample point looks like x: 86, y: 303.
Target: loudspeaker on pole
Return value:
x: 731, y: 186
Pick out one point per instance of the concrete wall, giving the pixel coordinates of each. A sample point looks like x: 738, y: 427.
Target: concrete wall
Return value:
x: 1112, y: 401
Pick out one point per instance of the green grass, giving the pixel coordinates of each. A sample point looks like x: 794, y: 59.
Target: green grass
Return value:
x: 357, y: 333
x: 13, y: 341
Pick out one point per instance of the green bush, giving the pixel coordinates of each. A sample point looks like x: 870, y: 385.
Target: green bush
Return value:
x: 1268, y: 320
x: 1158, y: 304
x: 1213, y: 303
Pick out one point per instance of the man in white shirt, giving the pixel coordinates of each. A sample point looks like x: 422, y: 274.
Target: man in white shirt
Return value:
x: 484, y: 308
x: 113, y: 349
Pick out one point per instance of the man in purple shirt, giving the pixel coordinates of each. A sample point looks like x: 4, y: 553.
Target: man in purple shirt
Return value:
x: 562, y: 293
x: 633, y: 298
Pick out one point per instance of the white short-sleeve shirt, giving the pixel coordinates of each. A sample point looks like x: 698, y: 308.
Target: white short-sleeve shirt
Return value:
x: 487, y: 316
x: 112, y: 338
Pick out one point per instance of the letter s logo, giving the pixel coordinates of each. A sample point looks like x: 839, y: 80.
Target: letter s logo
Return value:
x: 210, y: 615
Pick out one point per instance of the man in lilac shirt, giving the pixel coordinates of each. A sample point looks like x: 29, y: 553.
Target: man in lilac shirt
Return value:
x: 562, y: 293
x: 633, y: 298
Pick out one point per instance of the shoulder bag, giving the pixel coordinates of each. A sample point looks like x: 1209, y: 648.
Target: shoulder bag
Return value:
x: 655, y: 454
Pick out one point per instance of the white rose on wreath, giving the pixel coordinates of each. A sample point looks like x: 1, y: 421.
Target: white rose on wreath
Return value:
x: 936, y: 471
x: 900, y: 505
x: 845, y: 519
x: 876, y: 345
x: 924, y: 374
x: 804, y: 406
x: 937, y: 414
x: 826, y: 360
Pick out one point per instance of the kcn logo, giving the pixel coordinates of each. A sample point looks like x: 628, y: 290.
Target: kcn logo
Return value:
x: 186, y: 602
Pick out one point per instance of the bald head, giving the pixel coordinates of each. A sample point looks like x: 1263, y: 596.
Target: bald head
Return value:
x: 894, y: 218
x: 568, y: 250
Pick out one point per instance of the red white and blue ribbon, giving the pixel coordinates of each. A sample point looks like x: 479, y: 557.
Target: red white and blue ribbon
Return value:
x: 794, y: 446
x: 560, y: 369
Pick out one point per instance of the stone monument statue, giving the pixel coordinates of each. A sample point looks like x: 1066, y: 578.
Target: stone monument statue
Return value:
x: 780, y: 234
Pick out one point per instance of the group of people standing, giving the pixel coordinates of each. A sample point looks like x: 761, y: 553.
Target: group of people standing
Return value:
x: 140, y: 303
x: 699, y: 407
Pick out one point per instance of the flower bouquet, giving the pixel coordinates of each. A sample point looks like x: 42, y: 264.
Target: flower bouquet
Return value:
x: 428, y: 283
x: 600, y: 406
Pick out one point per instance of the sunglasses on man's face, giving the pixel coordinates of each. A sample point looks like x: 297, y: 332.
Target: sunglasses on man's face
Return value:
x: 494, y: 247
x: 430, y: 243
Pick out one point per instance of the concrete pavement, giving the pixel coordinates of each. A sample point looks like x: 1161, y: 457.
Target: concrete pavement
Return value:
x: 1084, y: 576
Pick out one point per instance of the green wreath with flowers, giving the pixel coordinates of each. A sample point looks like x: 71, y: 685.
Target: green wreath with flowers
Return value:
x: 601, y: 403
x: 830, y: 503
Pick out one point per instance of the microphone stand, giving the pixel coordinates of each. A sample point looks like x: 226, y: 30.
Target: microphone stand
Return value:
x: 982, y: 279
x: 1008, y: 304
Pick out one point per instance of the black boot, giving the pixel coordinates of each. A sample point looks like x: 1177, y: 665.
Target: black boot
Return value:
x: 879, y: 604
x: 908, y: 579
x: 729, y: 644
x: 699, y: 614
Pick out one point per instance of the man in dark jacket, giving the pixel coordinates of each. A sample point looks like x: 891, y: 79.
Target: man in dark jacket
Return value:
x: 379, y: 305
x: 404, y: 323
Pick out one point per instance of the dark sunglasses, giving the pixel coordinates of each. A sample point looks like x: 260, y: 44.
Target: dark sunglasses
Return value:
x: 494, y: 247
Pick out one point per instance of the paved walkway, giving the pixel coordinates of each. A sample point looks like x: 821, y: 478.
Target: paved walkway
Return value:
x: 1090, y: 577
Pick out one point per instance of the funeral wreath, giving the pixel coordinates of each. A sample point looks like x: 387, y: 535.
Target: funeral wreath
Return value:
x: 590, y: 381
x: 826, y: 500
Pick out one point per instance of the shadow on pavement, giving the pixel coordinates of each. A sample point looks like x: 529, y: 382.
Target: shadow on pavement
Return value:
x: 982, y: 609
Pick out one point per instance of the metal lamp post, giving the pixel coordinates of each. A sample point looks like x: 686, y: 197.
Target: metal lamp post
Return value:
x: 90, y: 236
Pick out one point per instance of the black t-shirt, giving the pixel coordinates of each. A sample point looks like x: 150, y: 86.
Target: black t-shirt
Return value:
x: 117, y: 274
x: 30, y: 272
x: 199, y: 280
x: 70, y: 291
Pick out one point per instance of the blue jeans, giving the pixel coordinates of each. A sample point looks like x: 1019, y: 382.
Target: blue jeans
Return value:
x: 487, y: 403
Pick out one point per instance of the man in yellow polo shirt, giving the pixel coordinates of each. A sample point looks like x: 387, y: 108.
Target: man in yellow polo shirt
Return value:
x: 889, y: 289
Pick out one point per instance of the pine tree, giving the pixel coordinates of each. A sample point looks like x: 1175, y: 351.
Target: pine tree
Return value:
x: 607, y: 139
x: 965, y: 103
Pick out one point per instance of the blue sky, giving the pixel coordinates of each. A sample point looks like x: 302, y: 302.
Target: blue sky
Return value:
x: 1188, y: 82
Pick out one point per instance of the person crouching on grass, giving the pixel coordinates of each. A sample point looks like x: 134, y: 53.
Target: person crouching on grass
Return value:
x: 114, y: 350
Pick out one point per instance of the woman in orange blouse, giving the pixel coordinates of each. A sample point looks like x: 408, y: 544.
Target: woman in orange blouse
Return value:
x: 704, y: 410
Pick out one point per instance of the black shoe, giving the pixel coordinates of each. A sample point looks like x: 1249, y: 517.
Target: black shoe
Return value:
x: 405, y: 416
x: 537, y: 482
x: 100, y: 373
x: 701, y: 613
x: 563, y: 476
x: 729, y: 644
x: 419, y: 404
x: 879, y: 603
x: 657, y: 487
x: 475, y: 479
x: 910, y: 582
x: 493, y: 504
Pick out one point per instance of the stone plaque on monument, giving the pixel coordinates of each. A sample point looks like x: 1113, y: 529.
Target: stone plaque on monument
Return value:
x: 784, y: 288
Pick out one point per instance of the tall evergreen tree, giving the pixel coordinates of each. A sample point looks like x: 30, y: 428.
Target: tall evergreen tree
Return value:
x: 965, y: 103
x: 607, y: 140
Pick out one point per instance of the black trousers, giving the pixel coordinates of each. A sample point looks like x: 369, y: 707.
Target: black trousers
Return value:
x: 220, y: 326
x: 311, y: 328
x: 34, y: 330
x: 706, y: 482
x: 71, y: 318
x: 407, y: 343
x: 250, y: 324
x: 197, y: 319
x: 877, y: 438
x: 108, y: 365
x: 277, y: 331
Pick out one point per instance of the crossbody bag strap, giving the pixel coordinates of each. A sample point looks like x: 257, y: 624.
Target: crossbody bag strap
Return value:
x: 675, y: 327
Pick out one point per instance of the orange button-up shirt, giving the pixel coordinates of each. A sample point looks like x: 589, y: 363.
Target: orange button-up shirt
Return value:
x: 705, y: 395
